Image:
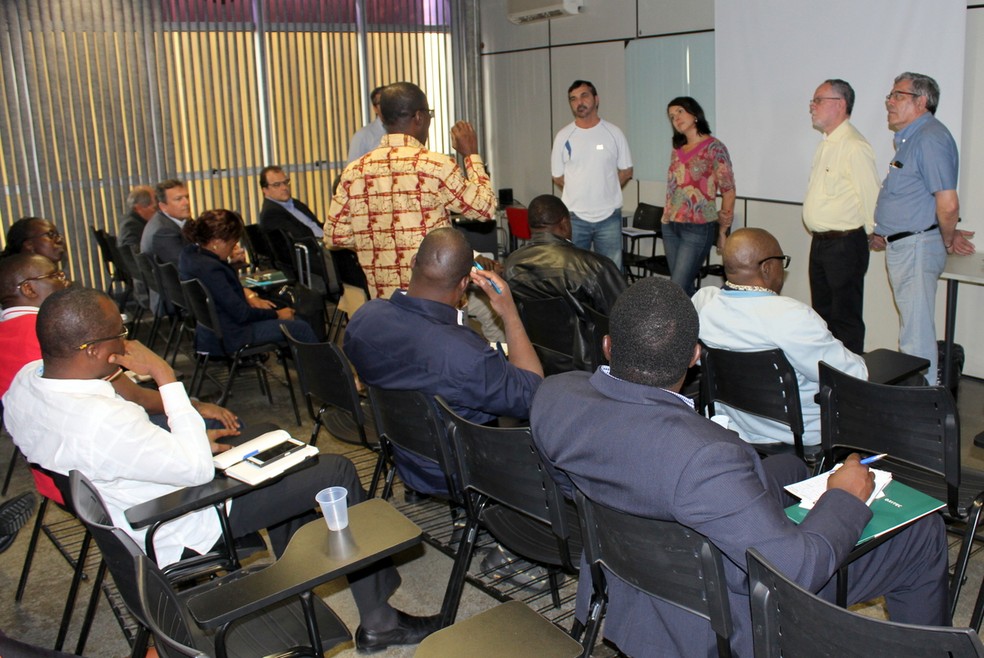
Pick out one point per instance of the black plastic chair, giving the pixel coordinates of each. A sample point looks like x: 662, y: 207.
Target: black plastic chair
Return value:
x: 120, y: 284
x: 282, y: 248
x: 601, y: 329
x: 202, y: 306
x: 660, y: 558
x: 551, y: 325
x: 147, y: 264
x: 636, y: 264
x: 410, y: 421
x: 509, y: 492
x: 787, y: 620
x: 141, y: 295
x: 760, y: 383
x: 317, y: 271
x: 258, y: 247
x: 327, y: 382
x: 183, y: 320
x: 919, y: 428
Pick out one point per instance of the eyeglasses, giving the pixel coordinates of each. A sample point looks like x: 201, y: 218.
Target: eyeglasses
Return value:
x: 283, y: 183
x: 898, y: 95
x: 53, y: 234
x: 54, y: 274
x: 89, y: 343
x: 816, y: 100
x: 429, y: 113
x: 785, y: 260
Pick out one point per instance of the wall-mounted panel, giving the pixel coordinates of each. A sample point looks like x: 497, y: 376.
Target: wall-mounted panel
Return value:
x: 498, y: 34
x: 673, y: 16
x: 517, y: 98
x: 599, y: 20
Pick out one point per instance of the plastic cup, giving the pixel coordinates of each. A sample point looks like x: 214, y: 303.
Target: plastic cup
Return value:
x: 333, y: 506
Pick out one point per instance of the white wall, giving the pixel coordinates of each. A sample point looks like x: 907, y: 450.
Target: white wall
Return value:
x: 528, y: 68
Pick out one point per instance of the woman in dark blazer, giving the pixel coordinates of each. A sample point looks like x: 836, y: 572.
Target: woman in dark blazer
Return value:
x: 243, y: 315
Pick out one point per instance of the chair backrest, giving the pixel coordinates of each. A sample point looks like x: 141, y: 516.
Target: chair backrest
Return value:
x: 147, y: 266
x: 601, y: 327
x: 257, y: 246
x: 661, y: 558
x: 519, y: 222
x: 201, y: 306
x: 171, y: 283
x: 551, y: 323
x: 761, y: 383
x: 326, y: 377
x: 648, y: 217
x: 502, y: 466
x: 283, y: 252
x: 410, y: 420
x: 316, y: 260
x: 128, y: 262
x: 787, y: 620
x: 917, y: 426
x: 109, y: 253
x: 118, y: 549
x: 163, y: 611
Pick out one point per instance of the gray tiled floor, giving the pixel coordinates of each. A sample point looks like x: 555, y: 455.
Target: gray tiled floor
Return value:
x: 424, y: 569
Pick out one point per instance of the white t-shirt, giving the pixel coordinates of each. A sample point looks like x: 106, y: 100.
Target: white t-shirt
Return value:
x: 589, y: 160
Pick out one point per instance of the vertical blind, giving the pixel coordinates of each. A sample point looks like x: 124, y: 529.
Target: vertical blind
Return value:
x: 102, y: 95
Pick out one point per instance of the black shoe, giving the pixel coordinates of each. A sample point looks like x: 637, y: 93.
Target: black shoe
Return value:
x: 411, y: 497
x: 409, y: 630
x: 502, y: 564
x: 13, y: 515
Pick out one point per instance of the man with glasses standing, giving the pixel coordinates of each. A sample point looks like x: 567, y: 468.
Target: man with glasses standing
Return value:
x: 390, y: 198
x: 839, y: 210
x: 918, y: 210
x: 750, y: 315
x: 281, y: 211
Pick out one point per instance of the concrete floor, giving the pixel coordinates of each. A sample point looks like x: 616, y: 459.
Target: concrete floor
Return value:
x: 424, y: 569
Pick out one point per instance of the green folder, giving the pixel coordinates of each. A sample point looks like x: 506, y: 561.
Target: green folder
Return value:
x: 900, y: 505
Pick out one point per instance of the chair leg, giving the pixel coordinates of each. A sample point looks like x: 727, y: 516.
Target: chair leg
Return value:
x: 290, y: 390
x: 963, y: 559
x: 228, y: 385
x: 73, y: 591
x: 31, y: 546
x: 140, y: 642
x: 593, y: 625
x: 316, y: 430
x: 553, y: 577
x: 376, y: 472
x: 10, y: 470
x: 456, y: 583
x: 90, y: 611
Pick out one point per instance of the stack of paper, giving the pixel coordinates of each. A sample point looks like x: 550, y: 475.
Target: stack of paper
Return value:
x: 234, y: 464
x: 810, y: 490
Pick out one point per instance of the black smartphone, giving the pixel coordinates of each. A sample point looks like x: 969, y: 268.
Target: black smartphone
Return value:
x: 276, y: 452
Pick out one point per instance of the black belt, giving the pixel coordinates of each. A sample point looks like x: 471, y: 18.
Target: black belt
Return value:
x: 830, y: 235
x: 905, y: 234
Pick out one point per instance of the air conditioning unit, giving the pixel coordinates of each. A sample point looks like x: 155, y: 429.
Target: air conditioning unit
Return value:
x: 530, y: 11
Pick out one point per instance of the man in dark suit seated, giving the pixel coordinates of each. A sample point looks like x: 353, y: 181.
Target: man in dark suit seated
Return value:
x: 281, y: 211
x: 162, y: 234
x: 627, y: 439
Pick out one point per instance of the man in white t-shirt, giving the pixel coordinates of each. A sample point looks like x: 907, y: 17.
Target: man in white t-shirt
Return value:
x: 591, y: 163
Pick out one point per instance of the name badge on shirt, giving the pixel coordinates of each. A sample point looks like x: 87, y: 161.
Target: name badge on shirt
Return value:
x: 600, y: 147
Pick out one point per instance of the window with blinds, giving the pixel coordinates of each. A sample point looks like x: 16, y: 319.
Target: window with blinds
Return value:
x: 103, y: 95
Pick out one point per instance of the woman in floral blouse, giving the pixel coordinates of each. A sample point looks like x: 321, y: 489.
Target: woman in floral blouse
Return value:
x: 700, y: 168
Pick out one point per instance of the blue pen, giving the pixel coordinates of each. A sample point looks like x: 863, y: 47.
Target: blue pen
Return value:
x: 495, y: 287
x: 873, y: 458
x: 252, y: 454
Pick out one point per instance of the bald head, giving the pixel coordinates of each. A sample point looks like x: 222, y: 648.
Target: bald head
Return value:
x: 442, y: 262
x: 28, y: 279
x: 749, y: 259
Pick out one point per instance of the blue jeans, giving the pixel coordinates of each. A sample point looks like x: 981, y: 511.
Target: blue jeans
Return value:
x: 687, y: 246
x: 606, y: 235
x: 914, y: 268
x: 268, y: 331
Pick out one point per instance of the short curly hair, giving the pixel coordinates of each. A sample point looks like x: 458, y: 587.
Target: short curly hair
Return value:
x: 654, y: 328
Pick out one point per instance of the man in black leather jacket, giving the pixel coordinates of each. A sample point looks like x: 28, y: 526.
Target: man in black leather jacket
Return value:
x: 551, y: 266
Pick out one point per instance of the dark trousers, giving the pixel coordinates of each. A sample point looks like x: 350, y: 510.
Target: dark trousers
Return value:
x: 837, y: 269
x: 909, y: 570
x: 285, y: 506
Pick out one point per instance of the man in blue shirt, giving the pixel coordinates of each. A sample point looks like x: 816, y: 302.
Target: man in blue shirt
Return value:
x: 917, y: 211
x: 415, y: 340
x: 281, y: 211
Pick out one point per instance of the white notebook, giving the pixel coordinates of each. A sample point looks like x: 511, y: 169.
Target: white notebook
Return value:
x: 810, y: 490
x: 234, y: 464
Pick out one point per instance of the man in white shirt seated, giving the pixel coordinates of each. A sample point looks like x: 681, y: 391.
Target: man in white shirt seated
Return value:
x: 64, y: 414
x: 750, y: 315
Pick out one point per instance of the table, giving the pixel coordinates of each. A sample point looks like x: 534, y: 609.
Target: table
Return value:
x: 891, y: 367
x: 314, y: 556
x: 959, y: 269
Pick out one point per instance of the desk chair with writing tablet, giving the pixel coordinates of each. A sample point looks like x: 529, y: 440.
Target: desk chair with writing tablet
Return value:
x: 919, y: 428
x: 787, y: 620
